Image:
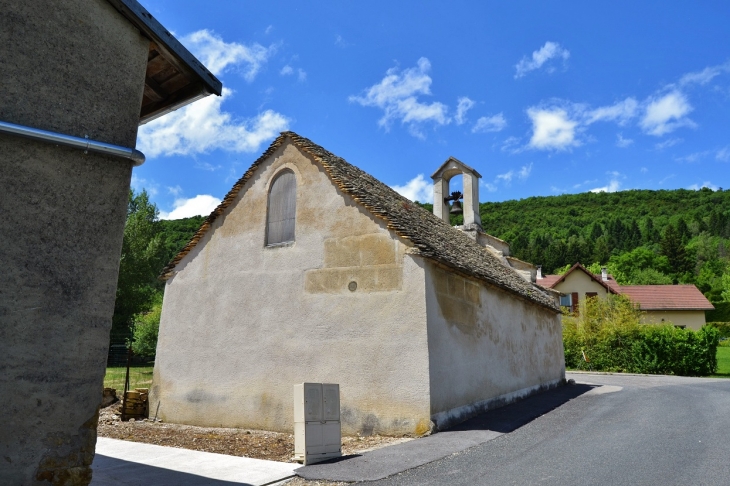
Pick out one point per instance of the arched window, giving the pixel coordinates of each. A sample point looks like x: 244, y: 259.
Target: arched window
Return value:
x: 282, y: 209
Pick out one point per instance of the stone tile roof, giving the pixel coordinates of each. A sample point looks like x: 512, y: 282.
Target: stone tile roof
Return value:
x: 667, y: 297
x: 432, y: 238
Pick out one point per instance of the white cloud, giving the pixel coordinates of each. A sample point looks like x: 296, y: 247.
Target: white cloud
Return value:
x: 288, y: 71
x: 217, y: 55
x: 666, y: 114
x: 488, y: 186
x: 464, y: 105
x: 397, y: 95
x: 620, y: 112
x: 708, y: 184
x: 511, y: 145
x: 623, y: 142
x: 138, y: 184
x: 557, y: 124
x: 341, y: 42
x: 670, y: 176
x: 584, y: 183
x: 202, y: 126
x: 525, y: 171
x: 175, y: 191
x: 417, y: 189
x: 493, y: 123
x: 269, y: 29
x: 723, y: 155
x: 207, y: 166
x: 551, y: 50
x: 670, y: 142
x: 694, y: 157
x: 705, y: 76
x: 552, y: 129
x: 612, y: 186
x: 201, y: 205
x: 506, y: 177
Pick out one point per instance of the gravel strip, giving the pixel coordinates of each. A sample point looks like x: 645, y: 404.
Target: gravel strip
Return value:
x: 257, y: 444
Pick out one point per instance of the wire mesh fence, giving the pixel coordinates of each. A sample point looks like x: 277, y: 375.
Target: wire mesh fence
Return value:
x: 140, y: 368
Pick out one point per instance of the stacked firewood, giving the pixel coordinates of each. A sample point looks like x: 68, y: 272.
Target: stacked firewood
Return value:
x: 135, y: 404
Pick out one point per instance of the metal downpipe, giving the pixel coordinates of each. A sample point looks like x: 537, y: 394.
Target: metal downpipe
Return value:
x: 84, y: 144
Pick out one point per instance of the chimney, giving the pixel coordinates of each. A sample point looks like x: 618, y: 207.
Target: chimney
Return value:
x: 441, y: 179
x: 539, y: 272
x: 604, y: 274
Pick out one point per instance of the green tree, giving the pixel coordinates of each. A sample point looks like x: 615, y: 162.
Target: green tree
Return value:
x: 141, y: 260
x: 725, y: 287
x: 146, y: 328
x: 673, y: 249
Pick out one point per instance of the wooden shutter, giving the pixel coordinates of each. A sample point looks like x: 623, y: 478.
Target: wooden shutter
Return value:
x: 282, y: 209
x: 574, y: 298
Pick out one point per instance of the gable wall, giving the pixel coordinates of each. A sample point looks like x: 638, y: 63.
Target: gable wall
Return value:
x: 579, y: 282
x: 486, y: 347
x: 241, y: 323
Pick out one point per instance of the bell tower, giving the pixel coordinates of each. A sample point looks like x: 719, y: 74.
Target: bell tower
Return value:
x: 441, y: 193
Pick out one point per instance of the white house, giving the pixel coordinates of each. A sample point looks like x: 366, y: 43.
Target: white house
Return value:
x: 312, y: 270
x: 682, y: 305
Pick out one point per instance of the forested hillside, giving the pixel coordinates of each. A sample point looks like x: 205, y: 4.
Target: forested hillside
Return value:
x: 643, y: 236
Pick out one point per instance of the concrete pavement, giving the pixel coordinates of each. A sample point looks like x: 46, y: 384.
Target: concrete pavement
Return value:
x: 381, y: 463
x: 120, y: 462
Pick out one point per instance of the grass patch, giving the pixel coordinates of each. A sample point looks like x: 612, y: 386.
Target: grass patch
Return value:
x: 139, y: 377
x: 723, y: 362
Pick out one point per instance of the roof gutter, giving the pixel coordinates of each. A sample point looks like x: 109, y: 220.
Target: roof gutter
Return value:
x: 84, y: 144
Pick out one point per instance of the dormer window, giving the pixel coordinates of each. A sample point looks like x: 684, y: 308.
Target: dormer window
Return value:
x: 282, y: 209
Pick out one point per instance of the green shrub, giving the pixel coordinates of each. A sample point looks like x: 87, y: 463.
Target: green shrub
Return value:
x: 611, y: 335
x: 145, y: 330
x: 722, y: 327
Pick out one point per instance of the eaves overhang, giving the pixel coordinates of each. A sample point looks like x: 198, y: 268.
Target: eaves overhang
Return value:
x: 174, y: 77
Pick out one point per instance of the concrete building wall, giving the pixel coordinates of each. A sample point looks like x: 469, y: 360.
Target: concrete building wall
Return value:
x: 242, y: 323
x: 75, y: 67
x: 486, y: 347
x: 690, y: 319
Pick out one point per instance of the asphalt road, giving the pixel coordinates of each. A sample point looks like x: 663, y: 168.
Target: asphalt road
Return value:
x: 631, y: 430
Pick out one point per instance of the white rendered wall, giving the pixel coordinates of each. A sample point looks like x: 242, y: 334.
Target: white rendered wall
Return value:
x: 580, y: 282
x: 692, y: 319
x: 486, y: 347
x: 242, y: 323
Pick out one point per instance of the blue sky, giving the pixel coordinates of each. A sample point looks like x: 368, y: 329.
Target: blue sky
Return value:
x: 540, y: 98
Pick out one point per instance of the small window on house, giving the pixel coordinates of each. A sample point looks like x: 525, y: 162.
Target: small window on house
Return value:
x: 282, y: 209
x: 565, y: 301
x: 590, y: 295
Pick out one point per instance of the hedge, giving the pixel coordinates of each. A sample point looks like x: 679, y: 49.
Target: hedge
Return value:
x: 612, y: 338
x: 720, y: 314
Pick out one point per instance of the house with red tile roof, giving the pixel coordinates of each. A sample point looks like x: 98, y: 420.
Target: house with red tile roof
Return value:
x: 682, y: 305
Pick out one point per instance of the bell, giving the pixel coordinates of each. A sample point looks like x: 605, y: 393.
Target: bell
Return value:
x: 456, y: 208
